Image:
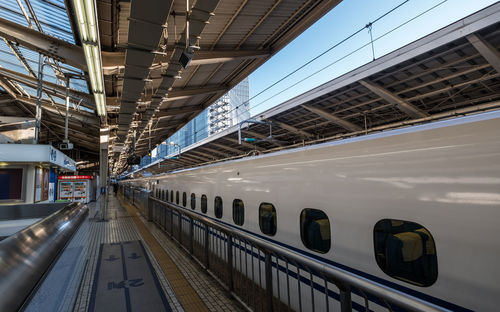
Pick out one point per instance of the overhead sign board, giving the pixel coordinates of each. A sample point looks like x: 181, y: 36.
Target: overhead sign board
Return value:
x: 76, y: 177
x: 36, y: 153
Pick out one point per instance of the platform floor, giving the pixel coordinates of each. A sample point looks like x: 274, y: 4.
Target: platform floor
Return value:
x: 124, y: 263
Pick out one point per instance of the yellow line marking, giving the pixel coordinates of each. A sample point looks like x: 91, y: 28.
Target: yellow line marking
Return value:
x: 185, y: 293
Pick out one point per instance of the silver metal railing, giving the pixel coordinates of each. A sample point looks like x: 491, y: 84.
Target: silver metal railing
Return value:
x: 26, y: 255
x: 267, y: 277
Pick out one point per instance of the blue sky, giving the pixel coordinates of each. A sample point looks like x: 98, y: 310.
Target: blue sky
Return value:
x: 345, y: 19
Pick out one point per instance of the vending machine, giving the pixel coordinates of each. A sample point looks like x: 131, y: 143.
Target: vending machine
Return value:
x: 76, y: 188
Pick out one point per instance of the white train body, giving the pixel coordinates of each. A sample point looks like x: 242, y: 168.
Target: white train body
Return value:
x: 444, y: 176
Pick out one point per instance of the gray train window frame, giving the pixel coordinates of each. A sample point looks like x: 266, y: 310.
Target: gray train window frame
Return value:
x: 184, y: 199
x: 315, y: 230
x: 218, y: 207
x: 193, y: 201
x: 177, y: 197
x: 399, y: 255
x: 268, y: 223
x: 238, y: 212
x: 204, y: 203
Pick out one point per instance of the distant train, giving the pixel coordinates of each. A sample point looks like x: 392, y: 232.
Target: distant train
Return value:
x: 416, y: 209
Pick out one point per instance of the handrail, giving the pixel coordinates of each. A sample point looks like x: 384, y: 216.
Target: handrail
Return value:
x: 342, y: 278
x: 26, y: 255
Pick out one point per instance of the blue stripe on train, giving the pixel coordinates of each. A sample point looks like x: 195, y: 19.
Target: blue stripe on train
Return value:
x: 412, y: 292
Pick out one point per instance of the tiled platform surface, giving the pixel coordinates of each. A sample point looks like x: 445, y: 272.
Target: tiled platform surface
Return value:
x: 207, y: 288
x: 68, y: 286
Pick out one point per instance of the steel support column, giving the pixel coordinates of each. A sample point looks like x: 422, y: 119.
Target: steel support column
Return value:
x: 38, y: 116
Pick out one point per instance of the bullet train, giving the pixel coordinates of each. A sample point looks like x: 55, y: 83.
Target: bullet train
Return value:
x: 416, y: 209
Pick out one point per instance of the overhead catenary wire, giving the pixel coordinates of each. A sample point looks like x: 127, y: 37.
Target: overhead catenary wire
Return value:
x: 314, y: 59
x: 369, y: 25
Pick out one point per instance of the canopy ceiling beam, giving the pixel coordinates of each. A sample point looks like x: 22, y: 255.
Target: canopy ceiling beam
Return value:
x: 336, y: 120
x: 88, y: 119
x: 51, y: 46
x: 489, y: 52
x: 115, y: 60
x: 292, y: 129
x: 174, y: 94
x: 178, y: 110
x: 48, y: 87
x: 403, y: 105
x: 227, y: 148
x: 198, y: 155
x: 213, y: 151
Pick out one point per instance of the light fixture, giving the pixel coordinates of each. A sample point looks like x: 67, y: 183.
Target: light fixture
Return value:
x: 87, y: 16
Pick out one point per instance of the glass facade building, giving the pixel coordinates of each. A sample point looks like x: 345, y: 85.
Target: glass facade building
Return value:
x: 232, y: 108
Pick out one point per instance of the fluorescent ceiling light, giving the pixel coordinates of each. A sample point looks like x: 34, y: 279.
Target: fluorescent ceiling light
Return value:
x: 87, y: 17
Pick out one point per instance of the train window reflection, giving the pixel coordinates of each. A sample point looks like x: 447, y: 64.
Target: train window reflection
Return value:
x: 238, y: 212
x: 218, y: 207
x: 315, y: 230
x: 193, y: 201
x: 204, y: 203
x: 184, y: 199
x: 405, y: 251
x: 267, y: 218
x: 177, y: 197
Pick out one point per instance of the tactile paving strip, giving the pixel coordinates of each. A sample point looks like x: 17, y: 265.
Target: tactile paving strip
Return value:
x: 212, y: 294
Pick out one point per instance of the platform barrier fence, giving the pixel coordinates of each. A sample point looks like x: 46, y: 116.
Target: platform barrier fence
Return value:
x: 27, y: 255
x: 267, y: 277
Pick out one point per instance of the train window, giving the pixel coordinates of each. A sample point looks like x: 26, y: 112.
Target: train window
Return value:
x: 218, y: 207
x: 166, y: 195
x: 156, y: 193
x: 238, y: 212
x: 267, y: 218
x: 204, y: 203
x: 163, y: 195
x: 177, y: 197
x: 184, y: 199
x: 193, y: 201
x: 171, y: 196
x: 405, y: 251
x: 315, y: 230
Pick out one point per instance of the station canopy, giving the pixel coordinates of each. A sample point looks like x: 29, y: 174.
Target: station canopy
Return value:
x: 159, y: 64
x: 452, y: 72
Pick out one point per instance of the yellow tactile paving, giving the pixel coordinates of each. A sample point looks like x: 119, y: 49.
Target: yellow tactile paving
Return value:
x: 185, y: 293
